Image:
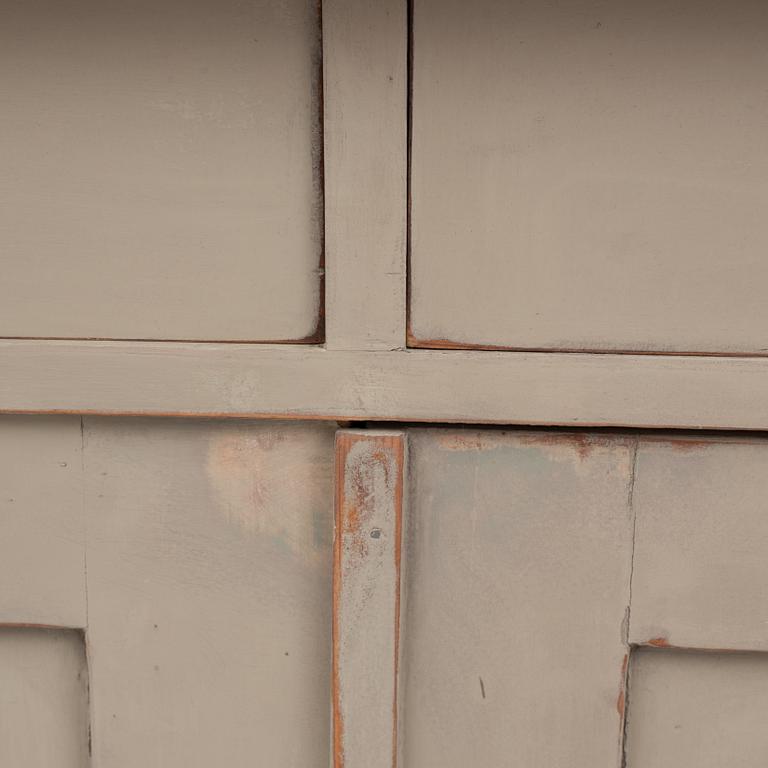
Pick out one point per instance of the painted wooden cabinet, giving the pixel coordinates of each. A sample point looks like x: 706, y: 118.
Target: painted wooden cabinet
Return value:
x: 382, y: 384
x: 173, y: 596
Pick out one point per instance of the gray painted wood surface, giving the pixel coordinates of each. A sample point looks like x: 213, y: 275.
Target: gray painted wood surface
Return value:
x: 366, y: 590
x: 590, y: 175
x: 518, y: 562
x: 701, y: 543
x: 240, y: 380
x: 365, y: 96
x: 198, y: 556
x: 703, y: 710
x: 209, y: 592
x: 43, y: 699
x: 205, y: 547
x: 42, y: 531
x: 161, y: 169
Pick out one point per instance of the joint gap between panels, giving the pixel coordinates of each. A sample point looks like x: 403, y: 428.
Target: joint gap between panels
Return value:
x: 661, y: 646
x: 318, y: 168
x: 660, y: 433
x: 408, y: 173
x: 626, y: 683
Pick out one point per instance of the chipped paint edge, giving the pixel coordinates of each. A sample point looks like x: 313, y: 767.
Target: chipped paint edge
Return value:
x: 397, y: 443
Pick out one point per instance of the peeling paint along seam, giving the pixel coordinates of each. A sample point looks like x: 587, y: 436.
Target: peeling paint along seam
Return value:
x: 625, y: 692
x: 86, y: 638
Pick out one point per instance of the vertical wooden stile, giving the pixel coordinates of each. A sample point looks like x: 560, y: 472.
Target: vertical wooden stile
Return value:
x: 365, y: 104
x: 366, y: 597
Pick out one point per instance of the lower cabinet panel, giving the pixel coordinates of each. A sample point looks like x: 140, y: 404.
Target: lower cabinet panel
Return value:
x: 43, y: 698
x: 697, y: 709
x: 495, y: 598
x: 209, y: 573
x: 517, y: 557
x: 201, y: 554
x: 700, y: 576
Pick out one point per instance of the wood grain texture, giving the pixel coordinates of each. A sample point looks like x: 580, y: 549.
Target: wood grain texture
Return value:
x: 161, y: 169
x: 43, y: 699
x: 697, y: 709
x: 366, y: 590
x: 240, y: 380
x: 42, y: 526
x: 365, y: 108
x: 700, y: 577
x: 518, y: 548
x: 209, y: 592
x: 589, y: 175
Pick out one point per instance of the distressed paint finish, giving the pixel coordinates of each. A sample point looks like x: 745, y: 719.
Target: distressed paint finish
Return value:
x: 43, y: 699
x: 161, y: 170
x: 209, y: 592
x: 365, y: 107
x: 697, y: 709
x: 589, y: 175
x: 241, y: 380
x: 699, y: 576
x: 518, y: 552
x: 366, y: 616
x: 42, y: 534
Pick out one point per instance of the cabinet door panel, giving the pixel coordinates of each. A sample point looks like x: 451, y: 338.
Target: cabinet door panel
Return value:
x: 160, y: 169
x: 209, y: 592
x: 590, y: 175
x: 197, y: 557
x: 517, y: 564
x: 697, y: 709
x: 700, y: 576
x: 43, y: 699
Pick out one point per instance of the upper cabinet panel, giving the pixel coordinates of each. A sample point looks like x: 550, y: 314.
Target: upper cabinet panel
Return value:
x: 160, y: 169
x: 590, y: 175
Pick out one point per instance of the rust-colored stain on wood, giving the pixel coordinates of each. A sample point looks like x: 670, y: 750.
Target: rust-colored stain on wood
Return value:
x: 342, y: 448
x: 413, y: 342
x: 582, y: 444
x: 622, y: 697
x: 689, y: 445
x: 368, y: 466
x: 658, y: 642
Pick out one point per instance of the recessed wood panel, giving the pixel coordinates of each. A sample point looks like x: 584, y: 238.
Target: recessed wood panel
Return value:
x: 517, y: 563
x: 698, y: 709
x: 43, y: 699
x: 700, y: 576
x: 160, y: 169
x: 209, y: 592
x: 590, y: 175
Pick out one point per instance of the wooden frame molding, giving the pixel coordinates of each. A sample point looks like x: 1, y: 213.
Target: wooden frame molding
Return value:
x: 366, y: 597
x: 245, y: 380
x: 365, y: 119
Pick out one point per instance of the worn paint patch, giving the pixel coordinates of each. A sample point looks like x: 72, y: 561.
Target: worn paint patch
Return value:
x: 560, y: 447
x: 472, y: 441
x: 689, y: 446
x: 366, y: 597
x: 369, y: 483
x: 260, y: 479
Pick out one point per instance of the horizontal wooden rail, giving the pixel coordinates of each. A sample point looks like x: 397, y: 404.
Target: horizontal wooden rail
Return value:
x: 245, y: 380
